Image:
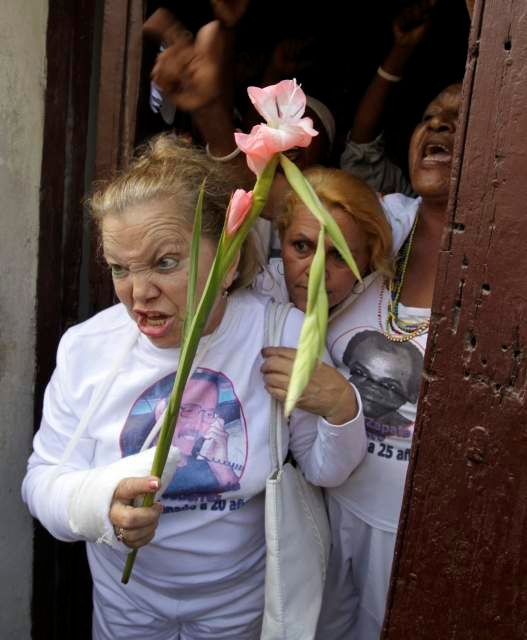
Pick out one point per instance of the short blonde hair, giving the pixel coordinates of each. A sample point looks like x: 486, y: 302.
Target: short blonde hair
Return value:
x: 168, y: 170
x: 339, y: 188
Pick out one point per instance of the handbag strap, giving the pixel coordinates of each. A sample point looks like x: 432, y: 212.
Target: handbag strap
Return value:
x: 275, y: 316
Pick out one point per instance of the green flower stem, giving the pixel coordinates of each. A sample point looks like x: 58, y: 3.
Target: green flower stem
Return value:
x: 194, y: 261
x: 226, y: 253
x: 313, y: 334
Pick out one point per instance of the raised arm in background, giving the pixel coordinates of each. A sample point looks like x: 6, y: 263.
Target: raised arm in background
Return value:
x: 409, y: 29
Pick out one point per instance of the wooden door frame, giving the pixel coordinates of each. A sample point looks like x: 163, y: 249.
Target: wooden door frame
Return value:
x: 120, y: 68
x: 61, y: 589
x: 460, y: 566
x: 94, y: 52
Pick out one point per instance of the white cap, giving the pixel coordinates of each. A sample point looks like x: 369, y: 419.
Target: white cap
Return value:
x: 325, y: 116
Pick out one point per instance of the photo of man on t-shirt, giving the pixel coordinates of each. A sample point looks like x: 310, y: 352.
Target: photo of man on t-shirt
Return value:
x: 387, y: 375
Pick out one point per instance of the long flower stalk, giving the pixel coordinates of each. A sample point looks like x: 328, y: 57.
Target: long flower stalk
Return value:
x: 194, y: 261
x: 282, y: 106
x: 228, y: 248
x: 312, y: 340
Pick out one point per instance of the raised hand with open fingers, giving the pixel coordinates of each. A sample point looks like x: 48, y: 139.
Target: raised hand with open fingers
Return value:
x: 195, y: 74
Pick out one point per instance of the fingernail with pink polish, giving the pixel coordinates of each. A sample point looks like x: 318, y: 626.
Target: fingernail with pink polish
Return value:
x: 154, y: 484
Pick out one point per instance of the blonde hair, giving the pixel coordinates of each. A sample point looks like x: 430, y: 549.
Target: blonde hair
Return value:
x: 171, y: 171
x: 338, y: 188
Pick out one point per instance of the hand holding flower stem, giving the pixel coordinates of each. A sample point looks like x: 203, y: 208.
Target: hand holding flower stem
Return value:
x: 240, y: 217
x: 282, y: 106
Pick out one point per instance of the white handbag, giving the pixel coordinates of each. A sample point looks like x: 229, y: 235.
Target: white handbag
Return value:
x: 296, y: 531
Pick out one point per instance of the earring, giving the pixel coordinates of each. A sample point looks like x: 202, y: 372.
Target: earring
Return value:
x: 225, y: 293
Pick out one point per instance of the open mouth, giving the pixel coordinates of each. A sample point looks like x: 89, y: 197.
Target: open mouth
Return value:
x: 154, y: 324
x: 157, y: 320
x: 436, y: 152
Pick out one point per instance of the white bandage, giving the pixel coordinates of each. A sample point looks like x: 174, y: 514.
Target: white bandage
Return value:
x: 90, y: 501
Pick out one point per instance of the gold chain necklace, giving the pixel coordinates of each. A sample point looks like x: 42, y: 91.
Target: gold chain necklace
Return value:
x: 395, y: 328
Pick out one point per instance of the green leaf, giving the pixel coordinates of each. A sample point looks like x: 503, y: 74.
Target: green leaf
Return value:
x: 307, y: 194
x: 194, y: 262
x: 312, y: 339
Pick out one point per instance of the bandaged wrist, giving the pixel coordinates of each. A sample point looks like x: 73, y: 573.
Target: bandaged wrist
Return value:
x: 91, y: 500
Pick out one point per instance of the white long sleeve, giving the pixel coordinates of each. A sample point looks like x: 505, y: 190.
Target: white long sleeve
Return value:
x: 72, y: 500
x: 327, y: 454
x: 75, y: 504
x: 46, y: 494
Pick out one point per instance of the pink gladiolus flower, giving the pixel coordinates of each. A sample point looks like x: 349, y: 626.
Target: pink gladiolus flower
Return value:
x: 240, y: 205
x: 282, y: 105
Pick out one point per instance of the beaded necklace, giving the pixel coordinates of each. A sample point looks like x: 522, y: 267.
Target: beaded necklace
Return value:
x: 395, y: 328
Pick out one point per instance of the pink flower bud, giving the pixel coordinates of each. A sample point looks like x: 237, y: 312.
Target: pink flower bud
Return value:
x: 240, y: 205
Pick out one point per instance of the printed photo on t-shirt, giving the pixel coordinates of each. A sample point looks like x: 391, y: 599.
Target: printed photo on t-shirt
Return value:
x: 387, y: 375
x: 210, y: 434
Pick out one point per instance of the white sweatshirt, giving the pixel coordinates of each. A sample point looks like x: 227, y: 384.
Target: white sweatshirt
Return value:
x: 212, y: 529
x: 374, y: 491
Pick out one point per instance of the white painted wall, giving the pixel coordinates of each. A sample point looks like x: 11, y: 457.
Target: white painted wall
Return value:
x: 22, y: 85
